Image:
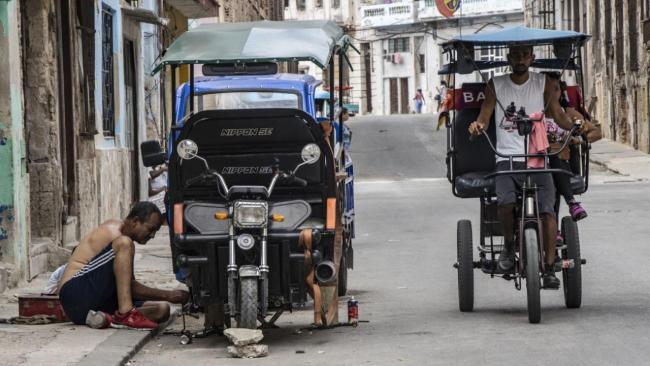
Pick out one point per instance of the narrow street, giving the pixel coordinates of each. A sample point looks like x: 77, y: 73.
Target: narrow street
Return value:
x: 407, y: 288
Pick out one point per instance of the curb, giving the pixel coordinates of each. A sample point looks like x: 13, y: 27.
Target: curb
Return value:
x: 122, y: 345
x: 605, y: 166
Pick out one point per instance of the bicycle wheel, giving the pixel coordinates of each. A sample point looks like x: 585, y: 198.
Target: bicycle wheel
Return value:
x: 532, y: 276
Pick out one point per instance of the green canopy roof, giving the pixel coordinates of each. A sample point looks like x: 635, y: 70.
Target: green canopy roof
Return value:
x: 263, y: 41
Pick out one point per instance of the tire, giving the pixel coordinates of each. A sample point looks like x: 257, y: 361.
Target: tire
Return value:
x: 532, y: 276
x: 248, y: 303
x: 343, y: 274
x: 572, y: 277
x: 465, y: 266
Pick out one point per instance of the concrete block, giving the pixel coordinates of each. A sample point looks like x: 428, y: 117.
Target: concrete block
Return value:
x: 70, y: 230
x: 58, y: 256
x: 38, y: 256
x: 250, y: 351
x: 39, y: 245
x: 37, y: 265
x: 4, y: 279
x: 243, y: 337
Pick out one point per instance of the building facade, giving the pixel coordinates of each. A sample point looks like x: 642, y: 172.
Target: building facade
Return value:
x: 400, y: 43
x: 616, y: 61
x: 76, y: 100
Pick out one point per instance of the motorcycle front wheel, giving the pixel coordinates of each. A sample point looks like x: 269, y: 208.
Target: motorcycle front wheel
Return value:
x: 248, y: 303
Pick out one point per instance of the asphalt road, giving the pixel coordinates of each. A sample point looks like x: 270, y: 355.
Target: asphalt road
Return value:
x: 407, y: 288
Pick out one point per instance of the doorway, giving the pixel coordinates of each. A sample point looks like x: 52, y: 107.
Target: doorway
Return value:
x: 394, y: 96
x: 367, y: 64
x: 404, y: 95
x: 131, y: 101
x: 67, y: 141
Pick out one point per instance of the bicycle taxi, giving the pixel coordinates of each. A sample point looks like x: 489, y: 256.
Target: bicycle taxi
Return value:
x: 471, y: 166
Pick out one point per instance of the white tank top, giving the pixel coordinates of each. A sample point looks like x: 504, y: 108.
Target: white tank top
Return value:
x: 529, y: 95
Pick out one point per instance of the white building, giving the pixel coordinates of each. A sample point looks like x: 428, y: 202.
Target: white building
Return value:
x: 399, y: 44
x: 401, y: 47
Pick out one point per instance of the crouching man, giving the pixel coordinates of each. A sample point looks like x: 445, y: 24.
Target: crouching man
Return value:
x: 98, y: 287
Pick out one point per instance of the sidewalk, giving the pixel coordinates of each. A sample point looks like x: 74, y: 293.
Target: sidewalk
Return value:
x: 621, y: 159
x: 68, y: 344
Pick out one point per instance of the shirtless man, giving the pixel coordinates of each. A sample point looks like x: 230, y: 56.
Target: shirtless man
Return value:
x: 98, y: 287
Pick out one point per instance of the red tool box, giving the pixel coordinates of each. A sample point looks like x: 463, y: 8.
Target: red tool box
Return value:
x: 35, y: 304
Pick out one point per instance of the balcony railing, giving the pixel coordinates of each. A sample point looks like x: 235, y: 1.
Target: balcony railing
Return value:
x: 472, y: 8
x: 388, y: 14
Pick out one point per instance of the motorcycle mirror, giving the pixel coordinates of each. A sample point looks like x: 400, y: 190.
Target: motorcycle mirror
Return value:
x: 310, y: 153
x: 187, y: 149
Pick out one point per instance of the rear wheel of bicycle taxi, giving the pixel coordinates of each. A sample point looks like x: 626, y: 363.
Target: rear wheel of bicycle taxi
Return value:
x: 465, y: 262
x: 571, y: 277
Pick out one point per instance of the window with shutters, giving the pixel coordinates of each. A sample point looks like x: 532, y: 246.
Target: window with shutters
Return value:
x: 399, y: 45
x: 608, y: 23
x: 576, y: 15
x: 596, y: 29
x: 620, y: 50
x: 108, y: 88
x: 634, y: 34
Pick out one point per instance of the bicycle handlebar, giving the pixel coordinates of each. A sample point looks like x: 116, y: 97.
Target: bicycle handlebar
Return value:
x: 573, y: 130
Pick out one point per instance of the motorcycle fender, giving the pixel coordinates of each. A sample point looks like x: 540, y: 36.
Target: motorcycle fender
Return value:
x: 249, y: 271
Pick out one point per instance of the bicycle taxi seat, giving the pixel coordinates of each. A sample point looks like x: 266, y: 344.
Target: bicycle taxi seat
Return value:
x: 468, y: 162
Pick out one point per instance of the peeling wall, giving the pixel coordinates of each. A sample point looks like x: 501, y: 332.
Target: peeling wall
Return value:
x: 13, y: 182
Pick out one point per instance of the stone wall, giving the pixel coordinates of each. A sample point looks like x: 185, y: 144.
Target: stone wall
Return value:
x: 42, y: 117
x: 618, y: 96
x: 114, y: 183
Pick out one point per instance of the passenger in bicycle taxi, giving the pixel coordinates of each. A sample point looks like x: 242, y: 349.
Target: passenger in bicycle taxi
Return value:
x: 532, y: 91
x: 568, y: 159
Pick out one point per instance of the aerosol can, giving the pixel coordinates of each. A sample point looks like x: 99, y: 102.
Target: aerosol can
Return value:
x: 353, y: 312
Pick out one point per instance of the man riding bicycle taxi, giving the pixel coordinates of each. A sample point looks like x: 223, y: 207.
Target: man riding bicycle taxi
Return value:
x: 532, y: 91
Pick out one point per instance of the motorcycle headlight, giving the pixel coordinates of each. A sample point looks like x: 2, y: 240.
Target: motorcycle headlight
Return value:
x: 251, y: 214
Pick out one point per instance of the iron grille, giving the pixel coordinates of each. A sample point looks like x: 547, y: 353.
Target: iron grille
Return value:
x: 108, y: 89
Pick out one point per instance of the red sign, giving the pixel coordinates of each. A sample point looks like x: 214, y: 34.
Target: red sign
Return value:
x: 448, y: 7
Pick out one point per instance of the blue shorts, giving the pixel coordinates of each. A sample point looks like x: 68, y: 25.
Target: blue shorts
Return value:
x: 92, y: 288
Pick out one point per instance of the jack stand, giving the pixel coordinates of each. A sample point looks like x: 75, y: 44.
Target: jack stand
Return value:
x: 271, y: 323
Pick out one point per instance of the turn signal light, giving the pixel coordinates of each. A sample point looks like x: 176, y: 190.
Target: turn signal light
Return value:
x: 221, y: 215
x: 330, y: 222
x: 277, y: 218
x: 178, y: 218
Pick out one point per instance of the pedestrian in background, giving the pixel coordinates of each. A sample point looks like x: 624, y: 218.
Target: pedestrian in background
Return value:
x: 419, y: 101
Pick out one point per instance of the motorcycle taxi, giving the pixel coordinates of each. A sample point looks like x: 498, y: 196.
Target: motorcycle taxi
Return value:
x: 256, y: 193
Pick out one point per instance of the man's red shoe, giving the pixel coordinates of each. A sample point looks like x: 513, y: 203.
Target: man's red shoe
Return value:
x: 132, y: 320
x: 98, y: 319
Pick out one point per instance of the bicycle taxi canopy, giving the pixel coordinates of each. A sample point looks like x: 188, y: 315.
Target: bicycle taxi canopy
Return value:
x: 469, y: 163
x: 564, y: 43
